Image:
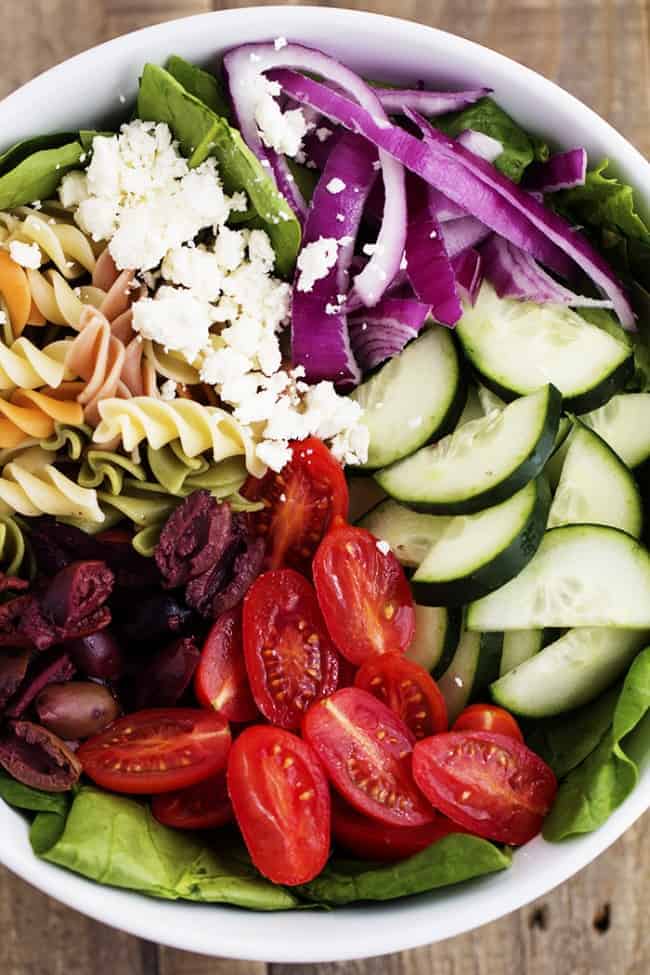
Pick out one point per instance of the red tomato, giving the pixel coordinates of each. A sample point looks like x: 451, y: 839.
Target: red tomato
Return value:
x: 290, y: 659
x: 282, y: 803
x: 408, y: 690
x: 366, y: 751
x: 220, y: 680
x: 157, y: 750
x: 369, y: 839
x: 364, y: 595
x: 299, y: 504
x: 202, y: 806
x: 488, y: 717
x: 491, y: 784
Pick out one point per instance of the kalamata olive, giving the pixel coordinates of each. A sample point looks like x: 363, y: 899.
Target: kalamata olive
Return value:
x: 77, y: 709
x: 76, y: 592
x: 38, y: 758
x: 168, y: 674
x: 98, y: 655
x: 51, y: 667
x: 13, y: 667
x: 157, y: 617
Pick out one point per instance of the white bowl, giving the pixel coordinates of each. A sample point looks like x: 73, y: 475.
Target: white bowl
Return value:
x: 86, y: 90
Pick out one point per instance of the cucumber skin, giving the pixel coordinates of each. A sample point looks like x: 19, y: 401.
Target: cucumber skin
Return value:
x: 519, y: 478
x: 506, y: 565
x: 585, y: 402
x: 452, y: 639
x: 489, y: 663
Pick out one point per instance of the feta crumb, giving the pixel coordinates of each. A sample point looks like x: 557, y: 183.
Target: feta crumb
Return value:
x: 195, y: 268
x: 27, y: 255
x: 229, y: 248
x: 274, y: 454
x: 335, y: 186
x: 281, y: 131
x: 376, y: 165
x: 37, y: 204
x: 369, y: 249
x: 383, y: 546
x: 323, y: 134
x: 176, y: 319
x: 340, y: 217
x: 168, y: 390
x: 433, y: 234
x: 315, y: 261
x: 279, y: 43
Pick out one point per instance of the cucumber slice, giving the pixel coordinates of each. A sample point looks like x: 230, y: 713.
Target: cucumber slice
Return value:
x: 473, y: 667
x: 472, y: 409
x: 437, y: 632
x: 415, y: 397
x: 581, y: 575
x: 365, y: 494
x: 519, y: 346
x: 483, y: 462
x: 553, y: 469
x: 595, y: 487
x: 489, y: 401
x: 476, y: 554
x: 519, y: 646
x: 624, y: 424
x: 570, y: 672
x: 409, y: 533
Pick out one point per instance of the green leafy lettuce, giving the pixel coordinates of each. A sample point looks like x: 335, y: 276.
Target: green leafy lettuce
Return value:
x: 519, y: 149
x: 599, y: 783
x: 202, y: 133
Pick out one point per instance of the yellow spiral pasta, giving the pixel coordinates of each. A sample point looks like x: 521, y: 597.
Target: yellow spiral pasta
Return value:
x: 156, y: 422
x: 24, y: 364
x: 59, y: 242
x: 57, y: 302
x: 30, y: 485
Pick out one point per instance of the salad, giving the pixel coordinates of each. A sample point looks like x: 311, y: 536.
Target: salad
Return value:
x: 324, y: 445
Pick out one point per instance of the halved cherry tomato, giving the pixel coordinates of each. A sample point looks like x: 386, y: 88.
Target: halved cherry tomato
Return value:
x: 220, y: 680
x: 290, y: 659
x: 364, y: 595
x: 408, y: 690
x: 366, y: 751
x: 157, y: 750
x: 205, y: 805
x: 488, y: 717
x: 368, y: 839
x: 299, y: 504
x: 282, y: 803
x: 491, y: 784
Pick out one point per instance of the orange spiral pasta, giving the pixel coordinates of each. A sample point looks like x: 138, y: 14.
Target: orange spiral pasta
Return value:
x: 30, y: 414
x: 17, y: 296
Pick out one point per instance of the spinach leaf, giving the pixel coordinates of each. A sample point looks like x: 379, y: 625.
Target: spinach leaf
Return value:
x: 45, y: 831
x: 32, y: 800
x: 596, y: 787
x: 116, y: 841
x: 21, y: 150
x: 38, y: 175
x: 202, y: 133
x: 202, y: 84
x: 451, y: 860
x: 519, y: 150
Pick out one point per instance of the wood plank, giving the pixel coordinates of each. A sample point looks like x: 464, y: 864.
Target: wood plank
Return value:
x: 171, y: 962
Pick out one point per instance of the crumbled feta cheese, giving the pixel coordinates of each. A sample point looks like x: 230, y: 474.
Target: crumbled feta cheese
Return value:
x: 274, y: 455
x: 433, y: 234
x: 335, y: 186
x: 281, y: 131
x: 323, y: 134
x: 315, y: 261
x: 195, y: 268
x: 383, y: 546
x: 260, y: 250
x: 376, y: 165
x: 27, y: 255
x: 229, y: 248
x: 369, y: 249
x: 176, y: 319
x: 279, y: 43
x: 340, y: 217
x: 168, y: 390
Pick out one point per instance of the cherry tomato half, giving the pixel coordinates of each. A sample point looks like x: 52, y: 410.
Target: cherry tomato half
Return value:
x: 366, y: 751
x: 282, y: 803
x: 491, y: 784
x: 299, y: 504
x: 203, y: 806
x: 157, y: 750
x: 408, y: 690
x: 364, y: 595
x: 290, y: 659
x: 488, y: 717
x: 220, y: 680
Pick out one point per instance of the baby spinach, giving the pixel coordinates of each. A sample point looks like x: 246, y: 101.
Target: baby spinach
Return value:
x: 202, y: 133
x: 452, y: 859
x: 32, y: 800
x: 37, y: 175
x: 202, y: 84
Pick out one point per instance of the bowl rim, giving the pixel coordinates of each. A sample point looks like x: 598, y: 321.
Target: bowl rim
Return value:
x: 336, y: 936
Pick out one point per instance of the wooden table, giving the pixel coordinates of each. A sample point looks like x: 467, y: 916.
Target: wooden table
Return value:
x: 597, y: 924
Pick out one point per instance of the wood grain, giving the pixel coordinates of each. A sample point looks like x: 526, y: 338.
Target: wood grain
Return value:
x: 597, y: 923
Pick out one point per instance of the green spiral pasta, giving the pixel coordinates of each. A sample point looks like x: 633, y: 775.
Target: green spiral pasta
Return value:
x: 71, y: 440
x: 15, y: 556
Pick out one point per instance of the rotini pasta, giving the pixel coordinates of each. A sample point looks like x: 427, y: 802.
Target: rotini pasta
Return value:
x: 17, y: 297
x: 180, y: 475
x: 71, y: 440
x: 24, y: 365
x: 30, y: 485
x: 198, y: 428
x: 32, y: 414
x: 55, y: 299
x: 60, y: 242
x: 15, y: 557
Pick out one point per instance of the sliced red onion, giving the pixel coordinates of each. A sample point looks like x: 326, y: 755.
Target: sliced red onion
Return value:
x: 243, y: 67
x: 468, y: 268
x: 462, y: 233
x: 427, y: 262
x: 320, y: 340
x: 286, y: 183
x: 317, y: 150
x: 481, y: 144
x: 430, y: 103
x: 382, y: 332
x: 561, y: 172
x: 516, y: 274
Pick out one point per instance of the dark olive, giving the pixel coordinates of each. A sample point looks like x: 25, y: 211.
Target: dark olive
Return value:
x: 98, y: 655
x: 168, y: 674
x: 77, y: 709
x: 38, y: 758
x: 77, y: 592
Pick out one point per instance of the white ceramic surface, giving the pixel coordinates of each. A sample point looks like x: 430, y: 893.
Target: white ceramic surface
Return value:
x: 86, y: 90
